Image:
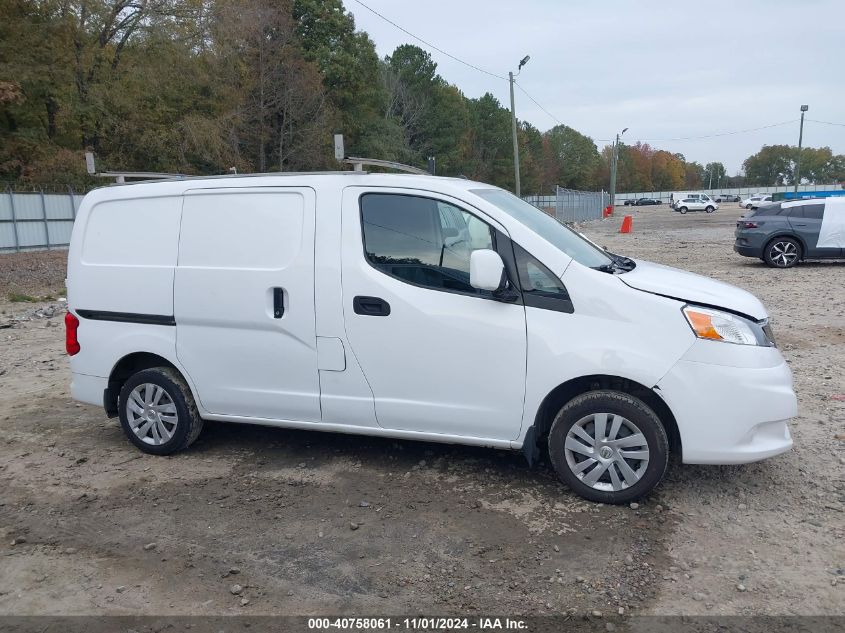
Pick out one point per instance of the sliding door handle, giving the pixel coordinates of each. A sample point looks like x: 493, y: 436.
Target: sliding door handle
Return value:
x: 278, y: 303
x: 370, y: 306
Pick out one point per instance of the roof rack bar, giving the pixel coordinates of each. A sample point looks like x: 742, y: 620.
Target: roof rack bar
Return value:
x: 358, y: 165
x: 121, y: 176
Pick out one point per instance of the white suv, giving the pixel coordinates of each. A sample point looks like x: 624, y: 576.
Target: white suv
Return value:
x: 696, y: 202
x: 752, y: 202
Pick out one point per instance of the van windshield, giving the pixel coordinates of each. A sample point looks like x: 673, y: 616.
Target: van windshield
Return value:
x: 544, y: 225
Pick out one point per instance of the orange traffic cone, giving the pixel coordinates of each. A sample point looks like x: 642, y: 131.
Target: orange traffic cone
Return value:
x: 608, y: 211
x: 627, y: 224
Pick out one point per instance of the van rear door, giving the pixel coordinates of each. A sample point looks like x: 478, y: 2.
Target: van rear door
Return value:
x: 244, y: 301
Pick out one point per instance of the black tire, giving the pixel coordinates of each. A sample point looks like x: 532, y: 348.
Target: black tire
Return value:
x: 773, y: 258
x: 709, y: 209
x: 188, y: 422
x: 619, y: 404
x: 683, y: 209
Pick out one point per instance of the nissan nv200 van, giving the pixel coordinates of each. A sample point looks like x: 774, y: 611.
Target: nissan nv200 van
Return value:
x: 412, y: 307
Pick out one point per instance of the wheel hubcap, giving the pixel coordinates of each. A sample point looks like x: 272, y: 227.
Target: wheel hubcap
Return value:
x: 151, y: 414
x: 606, y: 451
x: 783, y: 253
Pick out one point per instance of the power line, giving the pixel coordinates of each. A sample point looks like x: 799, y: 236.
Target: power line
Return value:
x: 429, y: 44
x: 538, y: 105
x: 695, y: 138
x: 825, y: 122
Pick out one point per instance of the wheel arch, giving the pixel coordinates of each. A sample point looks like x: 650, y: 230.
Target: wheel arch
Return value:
x: 792, y: 236
x: 126, y: 367
x: 564, y: 392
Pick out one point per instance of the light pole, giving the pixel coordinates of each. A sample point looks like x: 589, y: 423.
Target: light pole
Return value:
x: 804, y: 108
x: 614, y: 160
x: 522, y: 63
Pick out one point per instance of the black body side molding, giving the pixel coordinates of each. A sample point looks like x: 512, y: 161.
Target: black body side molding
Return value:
x: 127, y: 317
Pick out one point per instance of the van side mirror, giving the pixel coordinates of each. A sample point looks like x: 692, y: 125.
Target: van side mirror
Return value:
x: 486, y: 270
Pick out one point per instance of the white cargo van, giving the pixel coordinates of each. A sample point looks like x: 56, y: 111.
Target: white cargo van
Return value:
x: 412, y: 307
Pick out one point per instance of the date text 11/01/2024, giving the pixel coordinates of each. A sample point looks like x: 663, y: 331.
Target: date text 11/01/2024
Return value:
x: 417, y: 624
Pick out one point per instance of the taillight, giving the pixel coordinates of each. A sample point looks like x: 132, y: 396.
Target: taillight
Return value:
x: 71, y: 342
x: 750, y: 225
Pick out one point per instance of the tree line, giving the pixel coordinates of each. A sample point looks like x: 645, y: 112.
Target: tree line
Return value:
x: 204, y: 86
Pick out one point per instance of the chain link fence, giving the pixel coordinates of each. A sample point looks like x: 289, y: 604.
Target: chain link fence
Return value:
x: 580, y: 206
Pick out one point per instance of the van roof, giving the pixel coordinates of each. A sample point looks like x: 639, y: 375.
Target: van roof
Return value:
x: 176, y: 185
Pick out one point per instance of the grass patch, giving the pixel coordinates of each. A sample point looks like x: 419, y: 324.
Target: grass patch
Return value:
x: 17, y: 297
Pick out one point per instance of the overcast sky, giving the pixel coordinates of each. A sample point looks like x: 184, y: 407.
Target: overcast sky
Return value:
x: 664, y: 69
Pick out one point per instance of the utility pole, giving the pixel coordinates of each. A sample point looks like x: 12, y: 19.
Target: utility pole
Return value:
x: 614, y: 160
x: 522, y: 63
x: 804, y: 108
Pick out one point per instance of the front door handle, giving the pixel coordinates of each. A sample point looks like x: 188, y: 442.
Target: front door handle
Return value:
x: 370, y: 306
x: 801, y: 224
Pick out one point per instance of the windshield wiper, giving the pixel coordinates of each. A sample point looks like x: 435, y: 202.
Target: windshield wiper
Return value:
x: 619, y: 264
x: 624, y: 263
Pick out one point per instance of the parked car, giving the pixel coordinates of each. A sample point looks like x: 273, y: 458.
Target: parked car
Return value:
x: 696, y: 202
x: 755, y: 201
x: 728, y: 197
x: 412, y: 307
x: 630, y: 202
x: 784, y: 233
x: 676, y: 198
x: 647, y: 201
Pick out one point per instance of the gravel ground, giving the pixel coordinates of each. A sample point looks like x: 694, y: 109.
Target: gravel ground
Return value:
x: 255, y: 520
x: 33, y: 273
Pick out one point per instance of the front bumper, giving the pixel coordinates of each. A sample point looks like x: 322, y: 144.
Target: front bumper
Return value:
x: 730, y: 414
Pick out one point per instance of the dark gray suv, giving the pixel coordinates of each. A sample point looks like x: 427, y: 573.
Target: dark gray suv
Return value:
x: 783, y: 233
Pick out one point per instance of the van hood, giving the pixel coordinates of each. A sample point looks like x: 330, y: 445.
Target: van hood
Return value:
x: 685, y: 286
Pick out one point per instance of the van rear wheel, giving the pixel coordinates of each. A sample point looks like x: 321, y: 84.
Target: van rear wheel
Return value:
x: 158, y: 412
x: 609, y: 447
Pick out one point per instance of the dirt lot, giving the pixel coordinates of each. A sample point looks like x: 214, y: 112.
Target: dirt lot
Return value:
x: 254, y: 520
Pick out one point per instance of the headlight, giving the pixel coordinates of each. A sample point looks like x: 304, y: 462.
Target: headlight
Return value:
x: 716, y: 325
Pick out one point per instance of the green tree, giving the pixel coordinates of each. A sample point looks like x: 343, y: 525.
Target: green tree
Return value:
x: 572, y: 158
x: 714, y: 174
x: 821, y: 165
x: 349, y: 66
x: 488, y: 151
x: 693, y: 175
x: 772, y: 165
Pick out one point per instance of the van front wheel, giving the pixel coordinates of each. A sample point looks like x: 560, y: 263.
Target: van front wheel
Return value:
x: 608, y: 447
x: 157, y: 411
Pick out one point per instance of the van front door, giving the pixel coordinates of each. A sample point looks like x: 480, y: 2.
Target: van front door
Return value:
x: 439, y: 355
x: 244, y: 302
